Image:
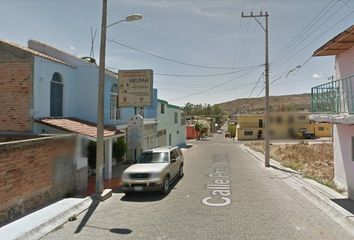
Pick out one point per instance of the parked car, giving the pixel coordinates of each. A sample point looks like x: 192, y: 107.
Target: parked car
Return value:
x: 154, y: 170
x: 219, y: 131
x: 307, y: 135
x: 227, y: 135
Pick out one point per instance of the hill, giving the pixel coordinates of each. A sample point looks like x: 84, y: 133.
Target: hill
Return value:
x: 296, y: 102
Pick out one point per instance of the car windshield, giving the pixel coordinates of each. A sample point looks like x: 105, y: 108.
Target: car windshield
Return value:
x: 153, y: 157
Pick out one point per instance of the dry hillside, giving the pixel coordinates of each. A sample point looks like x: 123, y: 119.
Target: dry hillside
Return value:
x: 296, y: 102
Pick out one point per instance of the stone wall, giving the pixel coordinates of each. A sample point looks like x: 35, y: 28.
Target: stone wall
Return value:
x: 35, y: 172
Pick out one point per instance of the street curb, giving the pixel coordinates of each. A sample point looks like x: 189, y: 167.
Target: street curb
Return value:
x: 318, y: 196
x: 12, y: 231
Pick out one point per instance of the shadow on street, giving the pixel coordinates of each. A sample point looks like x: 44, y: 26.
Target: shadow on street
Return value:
x: 284, y: 170
x: 146, y: 196
x: 88, y: 214
x: 113, y: 230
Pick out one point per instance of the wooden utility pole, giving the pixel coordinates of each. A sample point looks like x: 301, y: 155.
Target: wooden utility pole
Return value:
x: 266, y: 65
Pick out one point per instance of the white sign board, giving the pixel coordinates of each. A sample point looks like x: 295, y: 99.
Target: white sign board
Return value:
x: 135, y: 88
x: 135, y: 134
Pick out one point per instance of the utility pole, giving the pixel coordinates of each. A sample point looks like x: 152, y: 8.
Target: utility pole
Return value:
x: 100, y: 113
x: 266, y: 65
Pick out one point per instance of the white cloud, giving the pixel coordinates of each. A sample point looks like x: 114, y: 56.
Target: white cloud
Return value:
x: 317, y: 75
x: 72, y: 48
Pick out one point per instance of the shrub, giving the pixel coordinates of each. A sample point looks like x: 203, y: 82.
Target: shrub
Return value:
x: 119, y: 149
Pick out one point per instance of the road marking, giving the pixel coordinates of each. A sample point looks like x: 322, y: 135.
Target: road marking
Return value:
x: 220, y: 188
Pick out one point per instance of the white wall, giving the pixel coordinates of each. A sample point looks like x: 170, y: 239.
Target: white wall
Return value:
x: 343, y: 163
x: 345, y: 64
x: 43, y: 73
x: 166, y: 121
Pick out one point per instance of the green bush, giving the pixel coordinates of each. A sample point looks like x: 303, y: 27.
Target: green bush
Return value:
x: 119, y: 149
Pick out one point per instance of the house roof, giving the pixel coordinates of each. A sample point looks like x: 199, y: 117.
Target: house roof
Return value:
x: 169, y: 105
x: 338, y: 44
x: 79, y: 126
x: 36, y: 53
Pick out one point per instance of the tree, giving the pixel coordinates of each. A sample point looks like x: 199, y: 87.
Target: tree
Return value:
x: 119, y: 149
x: 202, y: 127
x: 232, y: 130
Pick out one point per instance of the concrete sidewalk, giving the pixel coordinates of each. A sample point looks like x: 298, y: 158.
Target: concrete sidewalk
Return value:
x: 337, y: 206
x: 45, y: 220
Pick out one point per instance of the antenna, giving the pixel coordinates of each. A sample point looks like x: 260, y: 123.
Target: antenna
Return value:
x: 93, y: 37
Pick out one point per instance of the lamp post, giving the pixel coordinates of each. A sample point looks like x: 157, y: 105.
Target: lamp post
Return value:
x: 100, y: 102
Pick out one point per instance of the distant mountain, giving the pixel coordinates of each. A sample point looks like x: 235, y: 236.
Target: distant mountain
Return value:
x: 296, y: 102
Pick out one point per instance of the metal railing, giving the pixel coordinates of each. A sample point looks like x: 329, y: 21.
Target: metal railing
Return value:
x: 333, y: 97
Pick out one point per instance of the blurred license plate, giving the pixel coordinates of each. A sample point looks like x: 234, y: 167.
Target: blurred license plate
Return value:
x: 138, y: 188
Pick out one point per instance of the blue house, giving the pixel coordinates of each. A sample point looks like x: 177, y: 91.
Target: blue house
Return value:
x: 64, y: 99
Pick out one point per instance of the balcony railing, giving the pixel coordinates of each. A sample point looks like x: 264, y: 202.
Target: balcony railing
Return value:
x: 334, y: 97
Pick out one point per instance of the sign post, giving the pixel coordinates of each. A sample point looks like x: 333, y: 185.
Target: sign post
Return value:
x: 135, y: 90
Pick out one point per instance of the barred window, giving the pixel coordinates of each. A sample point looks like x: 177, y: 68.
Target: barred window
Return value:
x: 114, y: 112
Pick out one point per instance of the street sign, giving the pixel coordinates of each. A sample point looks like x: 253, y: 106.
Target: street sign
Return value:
x: 135, y: 88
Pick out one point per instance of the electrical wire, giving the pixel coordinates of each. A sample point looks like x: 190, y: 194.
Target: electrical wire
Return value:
x: 279, y: 62
x: 303, y: 31
x: 318, y: 37
x: 216, y: 86
x: 197, y: 75
x: 255, y: 86
x: 170, y: 59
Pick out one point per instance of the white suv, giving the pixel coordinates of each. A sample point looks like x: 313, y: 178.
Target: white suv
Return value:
x: 154, y: 171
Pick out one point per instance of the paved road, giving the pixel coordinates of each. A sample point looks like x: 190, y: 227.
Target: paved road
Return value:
x: 262, y: 206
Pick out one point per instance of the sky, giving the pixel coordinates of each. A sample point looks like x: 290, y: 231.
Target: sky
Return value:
x: 208, y: 33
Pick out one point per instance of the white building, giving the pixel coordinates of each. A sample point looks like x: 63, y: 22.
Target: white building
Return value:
x: 334, y: 102
x: 171, y: 127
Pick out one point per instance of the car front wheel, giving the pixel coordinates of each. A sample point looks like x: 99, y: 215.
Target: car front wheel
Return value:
x: 166, y: 186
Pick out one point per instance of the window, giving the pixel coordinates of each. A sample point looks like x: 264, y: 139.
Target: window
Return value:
x: 56, y: 96
x: 162, y: 108
x: 260, y: 123
x: 248, y: 133
x: 291, y: 119
x: 176, y: 117
x: 321, y: 128
x: 302, y: 117
x: 114, y: 112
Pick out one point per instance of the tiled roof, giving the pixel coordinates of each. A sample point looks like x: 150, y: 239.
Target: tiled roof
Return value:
x: 78, y: 126
x: 36, y: 53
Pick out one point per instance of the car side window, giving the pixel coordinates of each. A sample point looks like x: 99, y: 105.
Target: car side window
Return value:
x: 175, y: 154
x: 172, y: 155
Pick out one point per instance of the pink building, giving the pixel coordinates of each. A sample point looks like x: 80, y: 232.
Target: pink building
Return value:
x: 334, y: 102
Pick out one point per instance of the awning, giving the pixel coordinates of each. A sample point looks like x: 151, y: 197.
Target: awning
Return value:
x: 338, y: 44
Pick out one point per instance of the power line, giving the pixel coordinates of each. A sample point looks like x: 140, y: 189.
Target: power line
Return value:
x: 303, y: 30
x: 279, y: 62
x: 255, y: 86
x: 287, y: 73
x: 198, y: 75
x: 319, y: 36
x: 211, y: 88
x: 170, y: 59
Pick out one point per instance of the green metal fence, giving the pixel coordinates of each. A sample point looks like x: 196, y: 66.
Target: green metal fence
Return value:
x: 334, y: 97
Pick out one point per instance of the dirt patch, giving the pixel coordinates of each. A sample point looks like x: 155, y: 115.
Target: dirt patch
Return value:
x: 314, y: 161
